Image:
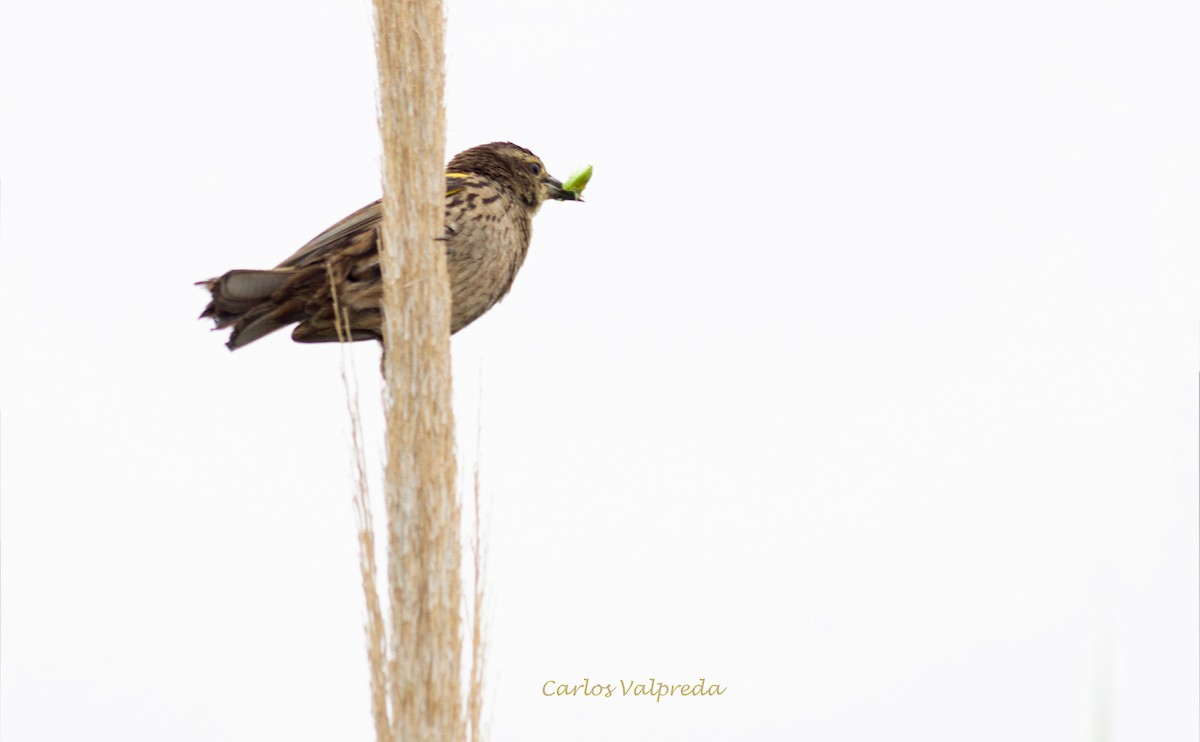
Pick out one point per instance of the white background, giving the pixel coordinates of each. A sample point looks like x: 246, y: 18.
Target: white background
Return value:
x: 864, y: 383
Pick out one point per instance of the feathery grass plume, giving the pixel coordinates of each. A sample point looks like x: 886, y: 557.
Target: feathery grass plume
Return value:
x: 376, y: 629
x: 423, y: 506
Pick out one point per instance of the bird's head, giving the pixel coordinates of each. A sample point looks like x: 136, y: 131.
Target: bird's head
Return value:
x: 515, y: 168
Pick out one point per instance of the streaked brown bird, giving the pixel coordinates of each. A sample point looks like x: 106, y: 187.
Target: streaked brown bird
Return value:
x: 492, y: 193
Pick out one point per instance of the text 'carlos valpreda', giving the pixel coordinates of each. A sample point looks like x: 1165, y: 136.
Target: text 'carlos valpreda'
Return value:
x: 632, y: 689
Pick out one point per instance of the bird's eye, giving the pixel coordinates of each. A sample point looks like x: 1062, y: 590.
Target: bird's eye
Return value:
x: 535, y: 168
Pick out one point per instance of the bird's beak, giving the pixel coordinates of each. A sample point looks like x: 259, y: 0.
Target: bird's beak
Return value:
x: 555, y: 191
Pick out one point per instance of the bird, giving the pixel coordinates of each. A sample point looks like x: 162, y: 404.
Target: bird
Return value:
x: 492, y: 193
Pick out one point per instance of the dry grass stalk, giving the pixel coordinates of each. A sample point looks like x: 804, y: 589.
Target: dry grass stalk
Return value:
x: 375, y: 629
x: 475, y: 686
x: 424, y: 510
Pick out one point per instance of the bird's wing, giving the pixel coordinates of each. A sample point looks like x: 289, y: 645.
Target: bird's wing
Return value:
x: 328, y: 241
x: 368, y: 217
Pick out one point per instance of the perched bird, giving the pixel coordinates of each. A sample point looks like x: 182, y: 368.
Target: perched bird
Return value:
x: 492, y: 193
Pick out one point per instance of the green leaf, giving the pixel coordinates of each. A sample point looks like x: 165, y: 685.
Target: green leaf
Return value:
x: 578, y: 180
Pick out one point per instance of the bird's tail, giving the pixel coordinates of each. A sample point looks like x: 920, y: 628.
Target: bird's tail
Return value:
x: 254, y: 302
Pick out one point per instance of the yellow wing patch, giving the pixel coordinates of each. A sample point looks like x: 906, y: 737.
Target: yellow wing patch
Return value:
x: 451, y: 191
